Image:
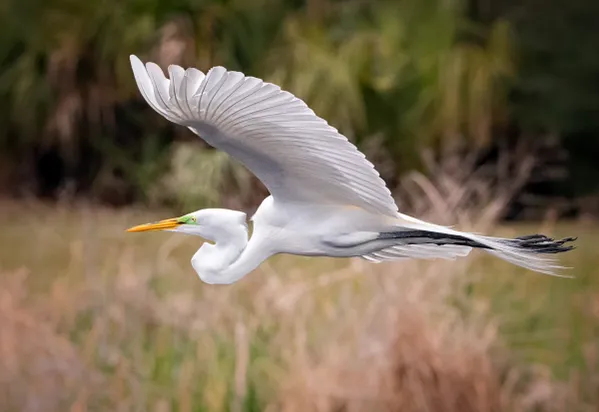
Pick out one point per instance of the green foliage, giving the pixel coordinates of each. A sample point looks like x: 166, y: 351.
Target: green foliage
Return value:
x: 402, y: 72
x: 396, y: 77
x: 398, y: 73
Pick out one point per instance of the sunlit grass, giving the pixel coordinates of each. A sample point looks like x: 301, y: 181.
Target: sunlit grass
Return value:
x: 95, y: 318
x: 552, y: 321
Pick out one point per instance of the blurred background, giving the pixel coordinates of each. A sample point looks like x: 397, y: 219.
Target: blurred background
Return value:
x: 482, y: 114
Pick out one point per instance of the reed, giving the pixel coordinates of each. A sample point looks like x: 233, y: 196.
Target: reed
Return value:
x: 93, y: 319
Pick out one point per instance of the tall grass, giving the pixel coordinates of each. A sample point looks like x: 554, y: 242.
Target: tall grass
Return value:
x: 94, y: 319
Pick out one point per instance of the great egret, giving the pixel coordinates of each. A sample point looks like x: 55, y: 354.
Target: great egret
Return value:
x: 326, y: 198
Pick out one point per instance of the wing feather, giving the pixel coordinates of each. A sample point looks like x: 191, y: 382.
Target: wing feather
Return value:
x: 297, y: 155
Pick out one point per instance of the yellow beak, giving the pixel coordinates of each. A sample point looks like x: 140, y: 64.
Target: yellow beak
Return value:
x: 161, y: 225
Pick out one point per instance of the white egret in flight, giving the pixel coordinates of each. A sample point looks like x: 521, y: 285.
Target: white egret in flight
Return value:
x: 326, y: 198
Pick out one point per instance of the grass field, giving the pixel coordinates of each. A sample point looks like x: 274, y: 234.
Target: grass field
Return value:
x: 94, y: 319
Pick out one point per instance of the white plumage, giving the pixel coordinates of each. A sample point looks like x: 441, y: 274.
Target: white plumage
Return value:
x: 326, y: 198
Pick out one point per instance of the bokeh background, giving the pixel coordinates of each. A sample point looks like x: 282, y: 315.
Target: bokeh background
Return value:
x: 482, y: 114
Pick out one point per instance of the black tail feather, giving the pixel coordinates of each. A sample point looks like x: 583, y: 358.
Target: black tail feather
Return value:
x: 529, y: 243
x: 542, y: 244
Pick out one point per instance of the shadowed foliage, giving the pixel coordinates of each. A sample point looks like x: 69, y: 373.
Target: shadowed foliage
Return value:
x: 396, y: 77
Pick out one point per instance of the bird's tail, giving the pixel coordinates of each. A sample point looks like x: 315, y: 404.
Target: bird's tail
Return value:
x: 531, y: 251
x: 420, y: 239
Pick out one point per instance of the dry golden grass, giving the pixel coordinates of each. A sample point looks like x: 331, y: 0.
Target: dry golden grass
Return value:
x: 95, y: 319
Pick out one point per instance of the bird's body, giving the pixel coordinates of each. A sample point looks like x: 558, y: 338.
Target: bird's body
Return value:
x: 289, y: 228
x: 326, y: 198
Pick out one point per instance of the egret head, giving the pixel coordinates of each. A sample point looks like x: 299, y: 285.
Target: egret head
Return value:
x: 205, y: 223
x: 186, y: 223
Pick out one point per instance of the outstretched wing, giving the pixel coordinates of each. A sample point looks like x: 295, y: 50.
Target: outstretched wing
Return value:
x: 296, y: 154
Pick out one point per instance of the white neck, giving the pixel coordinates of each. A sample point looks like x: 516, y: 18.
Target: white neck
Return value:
x: 230, y: 258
